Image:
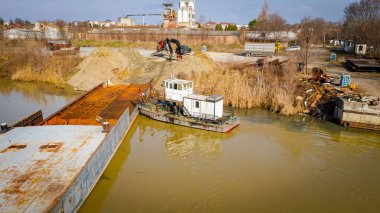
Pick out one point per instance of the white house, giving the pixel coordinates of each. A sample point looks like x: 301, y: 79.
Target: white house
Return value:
x: 206, y: 107
x: 177, y: 89
x: 124, y: 21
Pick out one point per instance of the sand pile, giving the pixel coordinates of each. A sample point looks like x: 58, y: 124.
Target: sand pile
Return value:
x: 186, y: 69
x: 104, y: 64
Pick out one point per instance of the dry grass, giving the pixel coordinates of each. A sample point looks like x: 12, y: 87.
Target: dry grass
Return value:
x: 31, y: 61
x: 273, y: 88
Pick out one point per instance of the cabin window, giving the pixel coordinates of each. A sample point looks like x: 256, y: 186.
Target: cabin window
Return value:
x: 171, y: 86
x: 197, y: 104
x: 190, y: 85
x: 179, y: 86
x: 175, y: 86
x: 167, y: 85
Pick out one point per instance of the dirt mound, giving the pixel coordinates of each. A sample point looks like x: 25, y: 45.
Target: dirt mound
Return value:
x: 104, y: 64
x: 187, y: 68
x: 129, y: 66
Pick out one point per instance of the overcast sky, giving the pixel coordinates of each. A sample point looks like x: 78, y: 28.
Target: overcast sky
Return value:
x: 238, y: 11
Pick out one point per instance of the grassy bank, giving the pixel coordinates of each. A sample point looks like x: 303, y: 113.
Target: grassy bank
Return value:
x: 31, y: 61
x: 196, y: 46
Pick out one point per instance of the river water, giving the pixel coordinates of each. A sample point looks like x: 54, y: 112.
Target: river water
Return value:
x: 269, y: 163
x: 19, y: 100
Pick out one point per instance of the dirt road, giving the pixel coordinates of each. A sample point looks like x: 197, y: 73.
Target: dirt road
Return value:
x: 369, y: 82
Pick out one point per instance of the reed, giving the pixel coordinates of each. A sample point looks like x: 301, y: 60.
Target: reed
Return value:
x: 272, y: 88
x: 31, y: 61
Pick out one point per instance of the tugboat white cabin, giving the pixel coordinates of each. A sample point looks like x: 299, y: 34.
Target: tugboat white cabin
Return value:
x: 205, y: 107
x: 177, y: 89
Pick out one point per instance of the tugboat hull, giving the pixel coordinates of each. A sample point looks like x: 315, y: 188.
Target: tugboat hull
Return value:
x: 188, y: 122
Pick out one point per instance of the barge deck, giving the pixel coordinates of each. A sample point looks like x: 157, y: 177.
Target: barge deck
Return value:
x: 55, y: 165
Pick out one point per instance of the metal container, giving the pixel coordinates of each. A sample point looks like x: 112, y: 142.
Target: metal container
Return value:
x: 106, y: 126
x: 4, y: 127
x: 345, y: 80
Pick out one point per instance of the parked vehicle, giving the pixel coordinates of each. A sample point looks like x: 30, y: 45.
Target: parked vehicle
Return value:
x: 293, y: 49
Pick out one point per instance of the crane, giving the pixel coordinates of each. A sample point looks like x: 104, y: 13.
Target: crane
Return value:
x: 143, y: 16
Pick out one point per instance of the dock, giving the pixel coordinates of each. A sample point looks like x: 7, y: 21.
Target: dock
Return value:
x: 53, y: 166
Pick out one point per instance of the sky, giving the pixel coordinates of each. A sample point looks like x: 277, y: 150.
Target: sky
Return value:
x: 237, y: 11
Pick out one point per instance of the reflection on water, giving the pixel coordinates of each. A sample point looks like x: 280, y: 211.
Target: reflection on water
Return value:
x: 269, y: 163
x: 182, y: 142
x: 18, y: 99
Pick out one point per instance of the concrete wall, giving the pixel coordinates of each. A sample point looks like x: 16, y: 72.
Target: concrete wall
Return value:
x: 158, y: 34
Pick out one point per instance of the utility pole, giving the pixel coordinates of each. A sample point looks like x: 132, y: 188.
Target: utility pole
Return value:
x: 307, y: 51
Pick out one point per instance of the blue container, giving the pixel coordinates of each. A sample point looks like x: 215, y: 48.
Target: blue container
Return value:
x: 345, y: 80
x: 204, y: 48
x: 333, y: 57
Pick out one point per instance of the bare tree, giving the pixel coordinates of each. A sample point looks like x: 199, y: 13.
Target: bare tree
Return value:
x: 276, y: 24
x: 263, y: 19
x: 362, y: 23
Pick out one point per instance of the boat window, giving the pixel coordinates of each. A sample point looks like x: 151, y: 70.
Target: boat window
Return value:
x: 197, y: 104
x: 191, y: 85
x: 179, y: 86
x: 171, y: 86
x: 175, y: 86
x: 167, y: 85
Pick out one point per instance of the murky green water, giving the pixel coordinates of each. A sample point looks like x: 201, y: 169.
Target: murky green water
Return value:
x: 268, y: 164
x: 19, y: 100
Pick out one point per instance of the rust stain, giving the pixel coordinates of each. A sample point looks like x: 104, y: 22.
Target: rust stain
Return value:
x: 107, y: 103
x: 14, y: 148
x: 29, y: 180
x: 51, y: 147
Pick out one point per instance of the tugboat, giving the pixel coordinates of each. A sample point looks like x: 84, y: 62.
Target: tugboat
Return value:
x: 181, y: 106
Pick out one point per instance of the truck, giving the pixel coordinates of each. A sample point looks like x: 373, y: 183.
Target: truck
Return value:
x: 259, y: 49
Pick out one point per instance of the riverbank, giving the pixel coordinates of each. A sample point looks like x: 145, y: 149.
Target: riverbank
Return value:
x: 31, y: 61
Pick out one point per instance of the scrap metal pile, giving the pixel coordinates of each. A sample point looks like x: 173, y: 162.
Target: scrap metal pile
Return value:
x: 320, y: 92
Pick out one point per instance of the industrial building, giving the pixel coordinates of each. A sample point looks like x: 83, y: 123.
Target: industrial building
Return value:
x: 186, y: 13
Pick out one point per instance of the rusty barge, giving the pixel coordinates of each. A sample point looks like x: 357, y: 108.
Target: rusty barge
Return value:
x: 53, y: 165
